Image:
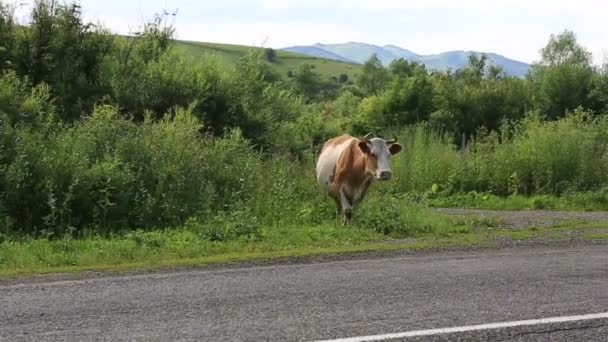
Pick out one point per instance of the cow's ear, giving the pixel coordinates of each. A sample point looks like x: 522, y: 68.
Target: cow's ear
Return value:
x: 395, y: 148
x: 364, y: 146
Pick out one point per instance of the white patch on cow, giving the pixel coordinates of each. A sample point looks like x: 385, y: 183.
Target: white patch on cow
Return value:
x: 327, y: 162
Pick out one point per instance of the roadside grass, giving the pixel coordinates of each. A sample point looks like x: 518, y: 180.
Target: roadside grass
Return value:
x: 186, y: 246
x: 191, y: 244
x: 580, y: 201
x: 596, y: 235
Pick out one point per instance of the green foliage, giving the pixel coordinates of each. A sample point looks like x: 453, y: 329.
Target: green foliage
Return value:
x: 397, y: 217
x: 599, y: 90
x: 563, y: 78
x: 20, y: 103
x: 564, y: 49
x: 7, y: 36
x: 111, y: 173
x: 551, y: 157
x: 427, y: 159
x: 373, y: 77
x: 532, y: 156
x: 270, y: 54
x: 306, y: 80
x: 58, y: 34
x: 404, y: 68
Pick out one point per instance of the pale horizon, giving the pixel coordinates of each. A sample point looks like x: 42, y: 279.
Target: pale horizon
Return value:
x: 516, y: 29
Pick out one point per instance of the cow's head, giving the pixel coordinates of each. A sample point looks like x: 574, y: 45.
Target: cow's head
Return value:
x: 378, y: 153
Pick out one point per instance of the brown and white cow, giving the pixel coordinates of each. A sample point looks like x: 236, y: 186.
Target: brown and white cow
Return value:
x: 347, y: 166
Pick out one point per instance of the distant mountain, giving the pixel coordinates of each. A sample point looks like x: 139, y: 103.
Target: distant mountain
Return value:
x: 318, y: 51
x: 401, y: 52
x: 360, y: 52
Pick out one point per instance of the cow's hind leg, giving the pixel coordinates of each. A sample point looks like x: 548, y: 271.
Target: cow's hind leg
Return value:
x: 338, y: 208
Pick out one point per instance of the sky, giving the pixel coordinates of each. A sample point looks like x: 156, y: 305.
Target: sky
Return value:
x: 517, y: 29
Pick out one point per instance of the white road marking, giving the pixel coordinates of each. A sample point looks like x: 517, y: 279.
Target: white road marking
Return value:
x: 439, y: 331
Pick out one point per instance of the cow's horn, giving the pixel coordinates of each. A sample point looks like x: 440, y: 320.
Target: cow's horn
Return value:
x: 392, y: 141
x: 367, y: 136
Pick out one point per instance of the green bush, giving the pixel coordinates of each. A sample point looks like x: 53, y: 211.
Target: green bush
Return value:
x: 111, y: 173
x: 531, y: 156
x: 550, y: 156
x: 398, y: 217
x: 21, y: 103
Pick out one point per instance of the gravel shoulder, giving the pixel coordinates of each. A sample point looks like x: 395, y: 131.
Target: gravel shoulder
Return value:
x: 530, y: 218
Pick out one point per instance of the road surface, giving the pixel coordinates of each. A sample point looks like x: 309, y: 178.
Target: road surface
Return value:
x: 404, y: 295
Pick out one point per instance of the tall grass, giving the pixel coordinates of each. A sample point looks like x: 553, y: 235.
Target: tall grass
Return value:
x: 427, y: 159
x: 109, y: 173
x: 531, y: 156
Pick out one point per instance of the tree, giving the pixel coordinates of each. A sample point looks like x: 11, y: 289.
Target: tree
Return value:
x: 343, y: 78
x: 270, y: 54
x: 410, y: 99
x: 495, y: 72
x: 373, y: 76
x: 473, y: 73
x: 402, y: 67
x: 563, y: 78
x: 306, y: 80
x: 599, y: 91
x: 7, y: 37
x: 564, y: 49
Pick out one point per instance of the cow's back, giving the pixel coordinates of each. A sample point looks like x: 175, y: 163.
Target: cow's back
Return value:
x: 330, y: 154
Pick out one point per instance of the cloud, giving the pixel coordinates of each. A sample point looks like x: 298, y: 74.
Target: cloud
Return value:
x: 359, y: 4
x: 578, y: 7
x: 275, y: 34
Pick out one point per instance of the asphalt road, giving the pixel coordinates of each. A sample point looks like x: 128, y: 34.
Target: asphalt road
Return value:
x: 328, y: 300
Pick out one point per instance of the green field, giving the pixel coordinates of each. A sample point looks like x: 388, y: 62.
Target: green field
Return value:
x: 229, y: 55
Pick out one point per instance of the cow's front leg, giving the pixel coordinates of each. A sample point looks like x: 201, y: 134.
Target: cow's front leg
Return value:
x: 364, y: 190
x: 347, y: 206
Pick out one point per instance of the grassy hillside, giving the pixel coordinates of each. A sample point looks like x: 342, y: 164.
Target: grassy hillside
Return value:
x: 285, y: 60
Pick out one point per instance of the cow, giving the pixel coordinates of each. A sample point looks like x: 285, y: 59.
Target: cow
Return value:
x: 347, y: 166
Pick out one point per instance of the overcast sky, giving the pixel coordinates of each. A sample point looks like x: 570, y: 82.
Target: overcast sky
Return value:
x: 514, y: 28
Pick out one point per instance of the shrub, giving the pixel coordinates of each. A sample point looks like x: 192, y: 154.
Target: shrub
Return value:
x: 21, y: 103
x: 398, y: 217
x: 111, y: 173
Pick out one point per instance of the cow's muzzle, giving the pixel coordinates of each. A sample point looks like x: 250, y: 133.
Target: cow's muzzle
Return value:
x: 384, y: 175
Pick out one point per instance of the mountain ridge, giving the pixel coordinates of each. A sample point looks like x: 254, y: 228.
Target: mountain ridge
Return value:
x: 357, y: 52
